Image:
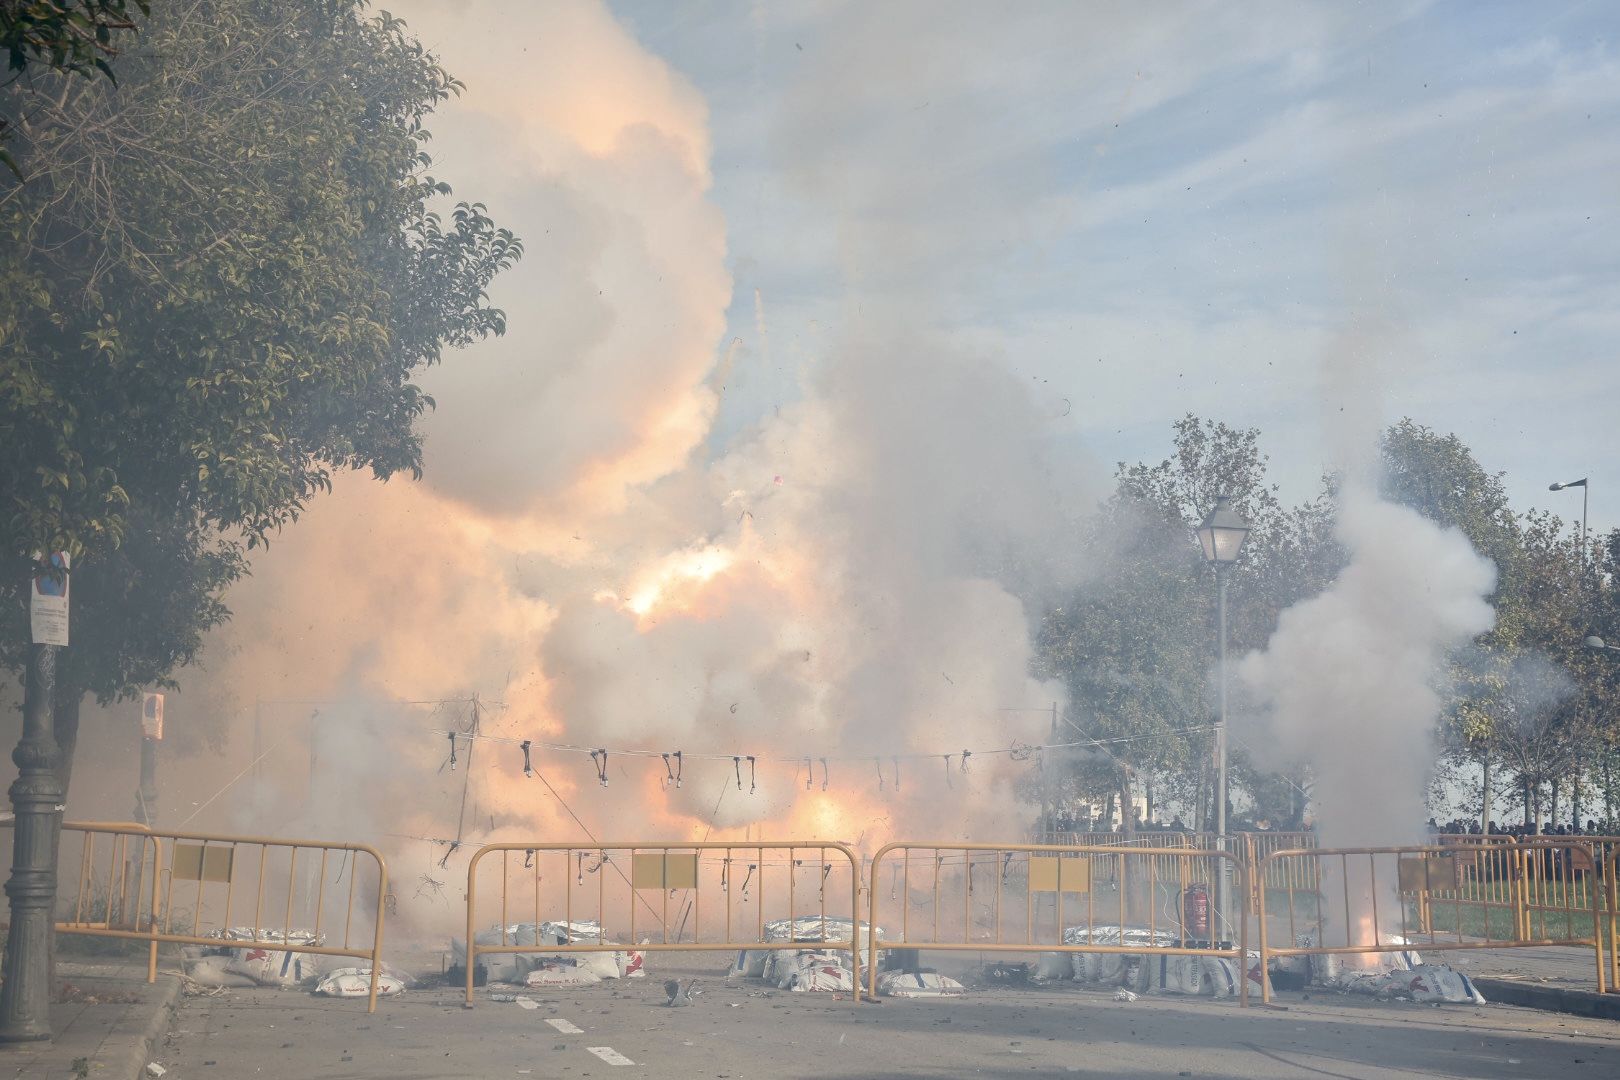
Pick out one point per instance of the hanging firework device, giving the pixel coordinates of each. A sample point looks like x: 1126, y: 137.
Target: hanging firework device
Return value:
x: 897, y: 774
x: 752, y: 787
x: 672, y: 766
x: 452, y: 750
x: 879, y: 762
x: 599, y: 759
x: 528, y: 858
x: 965, y: 755
x: 823, y: 774
x: 528, y: 767
x: 948, y: 771
x: 736, y: 765
x: 809, y: 773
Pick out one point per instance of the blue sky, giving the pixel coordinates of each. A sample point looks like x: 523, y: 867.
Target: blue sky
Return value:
x: 1155, y: 209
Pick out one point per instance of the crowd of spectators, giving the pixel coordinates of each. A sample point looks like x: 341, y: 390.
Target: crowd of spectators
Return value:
x: 1459, y: 827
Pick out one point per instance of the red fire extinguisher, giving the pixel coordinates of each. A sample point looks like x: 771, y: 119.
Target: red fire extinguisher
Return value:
x: 1195, y: 913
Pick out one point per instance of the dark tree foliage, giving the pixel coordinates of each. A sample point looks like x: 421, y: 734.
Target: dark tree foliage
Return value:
x: 76, y: 36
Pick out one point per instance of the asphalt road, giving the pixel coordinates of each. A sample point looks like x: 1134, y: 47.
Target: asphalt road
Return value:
x: 740, y: 1030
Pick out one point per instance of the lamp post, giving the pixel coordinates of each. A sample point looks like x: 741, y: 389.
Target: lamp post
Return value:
x: 1221, y: 536
x: 1581, y: 483
x: 1598, y: 643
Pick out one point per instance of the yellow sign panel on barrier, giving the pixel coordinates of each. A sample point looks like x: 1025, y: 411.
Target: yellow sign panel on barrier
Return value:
x: 1429, y: 874
x: 198, y: 862
x: 1048, y: 873
x: 664, y: 871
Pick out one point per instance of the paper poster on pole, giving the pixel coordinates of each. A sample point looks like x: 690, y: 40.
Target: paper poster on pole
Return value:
x: 152, y: 716
x: 48, y: 603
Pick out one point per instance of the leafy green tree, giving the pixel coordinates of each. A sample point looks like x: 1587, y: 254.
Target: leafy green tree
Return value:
x: 216, y: 287
x: 1135, y: 643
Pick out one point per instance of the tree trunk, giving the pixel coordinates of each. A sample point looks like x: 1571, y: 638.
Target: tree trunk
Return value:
x: 1529, y: 803
x: 1575, y: 801
x: 1108, y: 814
x: 1608, y: 793
x: 1485, y: 791
x: 1199, y: 803
x: 1147, y: 788
x: 1552, y: 806
x: 1127, y: 807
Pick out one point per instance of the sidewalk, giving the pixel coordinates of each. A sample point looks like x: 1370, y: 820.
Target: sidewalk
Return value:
x: 110, y: 1032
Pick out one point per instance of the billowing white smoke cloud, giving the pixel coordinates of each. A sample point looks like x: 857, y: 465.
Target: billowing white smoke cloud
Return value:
x: 847, y: 579
x: 1351, y: 680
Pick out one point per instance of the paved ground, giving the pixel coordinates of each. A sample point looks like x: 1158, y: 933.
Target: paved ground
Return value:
x: 104, y: 1031
x: 740, y: 1030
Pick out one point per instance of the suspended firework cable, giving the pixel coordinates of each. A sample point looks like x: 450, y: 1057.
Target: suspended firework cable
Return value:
x: 528, y: 766
x: 599, y: 758
x: 879, y: 763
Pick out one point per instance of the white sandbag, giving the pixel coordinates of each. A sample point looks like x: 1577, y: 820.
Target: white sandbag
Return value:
x: 513, y: 967
x: 814, y: 928
x: 819, y: 972
x: 751, y: 963
x: 1221, y: 976
x: 918, y: 985
x: 1104, y: 968
x: 1437, y: 982
x: 551, y: 974
x: 216, y: 971
x: 1053, y: 965
x: 352, y: 982
x: 1178, y: 974
x: 1426, y: 982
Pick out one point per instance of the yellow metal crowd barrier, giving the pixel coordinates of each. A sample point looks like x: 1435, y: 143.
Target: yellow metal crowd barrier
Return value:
x: 677, y: 897
x: 191, y: 888
x: 1022, y: 898
x: 1489, y: 894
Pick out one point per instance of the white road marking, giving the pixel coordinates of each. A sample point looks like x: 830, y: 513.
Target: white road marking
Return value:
x: 527, y: 1003
x: 610, y: 1055
x: 565, y: 1026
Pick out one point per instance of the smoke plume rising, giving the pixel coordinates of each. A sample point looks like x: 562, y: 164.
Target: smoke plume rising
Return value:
x: 1351, y: 678
x: 848, y: 579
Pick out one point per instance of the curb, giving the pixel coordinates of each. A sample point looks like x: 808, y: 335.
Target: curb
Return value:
x: 1550, y: 998
x: 131, y: 1063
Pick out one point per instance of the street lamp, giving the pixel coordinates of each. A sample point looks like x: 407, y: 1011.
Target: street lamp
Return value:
x: 1581, y: 483
x: 1221, y: 536
x: 1598, y: 643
